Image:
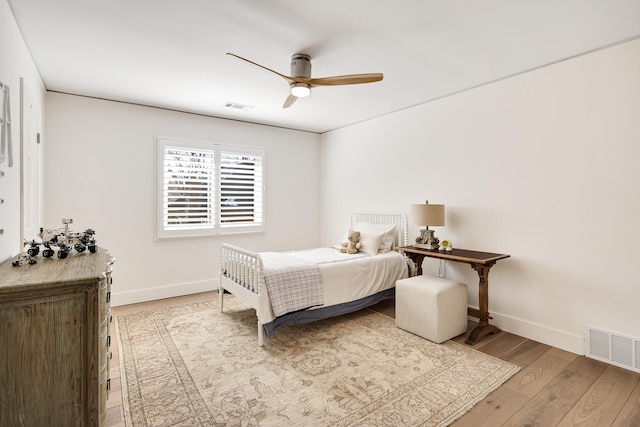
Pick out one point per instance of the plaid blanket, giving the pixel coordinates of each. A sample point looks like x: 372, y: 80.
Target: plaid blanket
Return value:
x: 292, y: 283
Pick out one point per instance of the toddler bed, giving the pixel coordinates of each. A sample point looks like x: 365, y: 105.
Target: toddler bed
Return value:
x: 289, y: 288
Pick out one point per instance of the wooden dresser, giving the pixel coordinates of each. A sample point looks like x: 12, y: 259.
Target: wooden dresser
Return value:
x: 54, y: 341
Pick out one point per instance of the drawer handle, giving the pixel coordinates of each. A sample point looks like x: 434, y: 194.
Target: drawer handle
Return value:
x: 108, y: 297
x: 108, y: 340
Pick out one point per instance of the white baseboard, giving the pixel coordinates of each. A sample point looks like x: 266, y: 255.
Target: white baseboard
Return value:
x: 540, y: 333
x: 151, y: 294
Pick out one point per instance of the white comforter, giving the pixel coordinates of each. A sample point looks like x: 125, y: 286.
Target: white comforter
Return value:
x: 345, y: 277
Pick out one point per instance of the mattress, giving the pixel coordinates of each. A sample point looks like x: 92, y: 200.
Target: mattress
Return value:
x: 345, y: 277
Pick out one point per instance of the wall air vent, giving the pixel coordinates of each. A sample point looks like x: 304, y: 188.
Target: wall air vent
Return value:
x: 236, y: 106
x: 613, y: 348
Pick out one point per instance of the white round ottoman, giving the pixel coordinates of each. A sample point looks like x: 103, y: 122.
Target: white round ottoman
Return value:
x: 431, y: 307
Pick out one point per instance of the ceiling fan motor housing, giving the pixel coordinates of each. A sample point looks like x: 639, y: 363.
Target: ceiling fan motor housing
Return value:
x: 301, y: 65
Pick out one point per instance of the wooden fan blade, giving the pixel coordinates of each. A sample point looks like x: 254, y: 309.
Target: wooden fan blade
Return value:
x: 287, y: 78
x: 352, y: 79
x: 289, y: 101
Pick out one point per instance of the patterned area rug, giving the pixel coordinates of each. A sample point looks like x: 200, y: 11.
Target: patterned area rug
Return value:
x: 189, y: 365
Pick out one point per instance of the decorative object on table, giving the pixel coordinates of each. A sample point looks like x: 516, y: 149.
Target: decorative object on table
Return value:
x: 23, y: 259
x: 62, y: 238
x: 427, y: 215
x: 445, y: 245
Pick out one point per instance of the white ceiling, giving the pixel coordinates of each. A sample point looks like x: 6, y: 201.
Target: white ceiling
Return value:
x: 171, y: 53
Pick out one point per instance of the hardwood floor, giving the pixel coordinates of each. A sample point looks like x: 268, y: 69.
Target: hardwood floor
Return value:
x: 553, y: 387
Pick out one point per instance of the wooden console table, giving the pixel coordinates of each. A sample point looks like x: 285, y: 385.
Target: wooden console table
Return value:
x: 480, y: 262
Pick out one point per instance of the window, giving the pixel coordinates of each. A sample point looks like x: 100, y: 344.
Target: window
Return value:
x: 206, y: 188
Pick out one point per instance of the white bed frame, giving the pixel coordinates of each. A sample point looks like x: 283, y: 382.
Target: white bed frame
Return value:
x: 242, y: 273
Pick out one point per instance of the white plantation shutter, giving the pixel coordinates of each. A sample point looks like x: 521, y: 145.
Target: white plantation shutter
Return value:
x: 206, y: 189
x: 240, y: 189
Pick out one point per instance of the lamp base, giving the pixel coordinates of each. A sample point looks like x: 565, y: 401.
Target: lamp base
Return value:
x: 427, y: 240
x: 428, y: 247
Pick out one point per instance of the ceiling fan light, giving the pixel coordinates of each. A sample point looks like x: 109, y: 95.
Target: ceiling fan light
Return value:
x: 300, y: 90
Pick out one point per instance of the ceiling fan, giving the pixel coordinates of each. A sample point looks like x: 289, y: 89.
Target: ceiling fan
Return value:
x: 300, y: 81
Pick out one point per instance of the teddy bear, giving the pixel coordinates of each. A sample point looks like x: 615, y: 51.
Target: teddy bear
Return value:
x: 352, y: 245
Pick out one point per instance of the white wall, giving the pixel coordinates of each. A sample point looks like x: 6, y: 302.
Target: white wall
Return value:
x: 542, y: 166
x: 100, y: 171
x: 15, y: 63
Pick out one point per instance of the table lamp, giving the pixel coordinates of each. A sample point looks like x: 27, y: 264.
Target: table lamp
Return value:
x: 427, y: 215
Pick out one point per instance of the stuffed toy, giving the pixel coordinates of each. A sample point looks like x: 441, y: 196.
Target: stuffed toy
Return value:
x: 352, y: 245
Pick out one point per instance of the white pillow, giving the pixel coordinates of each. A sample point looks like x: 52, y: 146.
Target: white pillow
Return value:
x: 370, y: 242
x: 387, y: 244
x: 375, y: 238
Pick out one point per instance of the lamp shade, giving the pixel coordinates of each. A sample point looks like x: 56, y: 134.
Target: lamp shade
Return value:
x: 427, y: 215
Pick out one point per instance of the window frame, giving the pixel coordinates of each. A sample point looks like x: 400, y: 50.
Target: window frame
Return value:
x: 215, y: 226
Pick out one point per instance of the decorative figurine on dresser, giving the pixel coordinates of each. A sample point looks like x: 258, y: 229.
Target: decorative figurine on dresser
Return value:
x: 54, y: 336
x: 63, y: 238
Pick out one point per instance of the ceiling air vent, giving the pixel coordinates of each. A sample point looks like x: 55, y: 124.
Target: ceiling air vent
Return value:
x: 616, y: 349
x: 236, y: 106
